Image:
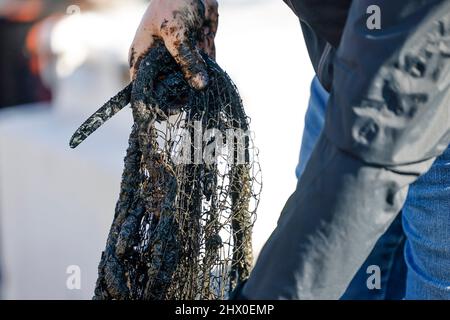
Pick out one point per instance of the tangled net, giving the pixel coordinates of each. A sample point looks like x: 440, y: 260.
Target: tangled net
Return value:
x: 190, y: 188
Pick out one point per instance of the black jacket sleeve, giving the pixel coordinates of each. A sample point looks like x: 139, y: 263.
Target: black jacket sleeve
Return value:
x: 387, y: 119
x: 322, y: 25
x: 326, y: 17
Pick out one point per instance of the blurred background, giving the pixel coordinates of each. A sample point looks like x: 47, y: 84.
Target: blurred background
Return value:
x: 60, y: 61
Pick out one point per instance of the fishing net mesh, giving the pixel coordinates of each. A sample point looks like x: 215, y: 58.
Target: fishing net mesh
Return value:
x: 190, y: 189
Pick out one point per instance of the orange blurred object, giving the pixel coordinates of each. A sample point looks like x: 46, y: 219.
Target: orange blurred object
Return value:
x: 23, y: 11
x: 20, y: 60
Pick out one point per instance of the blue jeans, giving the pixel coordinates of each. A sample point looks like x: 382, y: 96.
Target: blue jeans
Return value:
x: 414, y: 253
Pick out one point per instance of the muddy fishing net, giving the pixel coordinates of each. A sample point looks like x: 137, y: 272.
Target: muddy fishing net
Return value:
x: 190, y: 188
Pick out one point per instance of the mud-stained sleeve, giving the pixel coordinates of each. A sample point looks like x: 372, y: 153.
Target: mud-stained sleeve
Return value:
x: 387, y: 119
x: 390, y: 99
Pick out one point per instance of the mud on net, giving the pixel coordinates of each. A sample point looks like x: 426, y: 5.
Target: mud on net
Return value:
x: 190, y: 188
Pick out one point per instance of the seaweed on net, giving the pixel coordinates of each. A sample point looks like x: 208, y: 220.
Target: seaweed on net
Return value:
x: 183, y: 223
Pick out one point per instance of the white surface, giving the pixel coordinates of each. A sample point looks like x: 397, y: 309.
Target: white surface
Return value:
x: 262, y: 48
x: 56, y: 204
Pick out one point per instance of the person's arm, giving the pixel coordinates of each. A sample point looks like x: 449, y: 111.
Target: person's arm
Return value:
x: 387, y: 119
x: 185, y: 27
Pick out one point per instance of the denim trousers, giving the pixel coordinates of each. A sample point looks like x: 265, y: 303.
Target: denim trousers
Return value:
x: 413, y: 256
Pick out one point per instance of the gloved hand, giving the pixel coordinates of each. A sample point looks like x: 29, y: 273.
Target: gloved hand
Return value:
x: 185, y: 27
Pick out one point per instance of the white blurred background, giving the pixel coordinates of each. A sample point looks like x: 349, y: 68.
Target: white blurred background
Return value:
x: 56, y: 204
